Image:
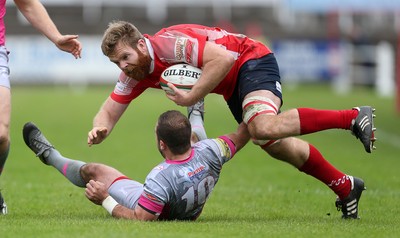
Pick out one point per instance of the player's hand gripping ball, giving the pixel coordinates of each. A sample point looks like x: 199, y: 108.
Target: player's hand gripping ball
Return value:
x: 182, y: 76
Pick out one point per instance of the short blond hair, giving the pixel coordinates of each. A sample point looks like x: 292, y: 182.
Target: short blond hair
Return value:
x: 119, y: 31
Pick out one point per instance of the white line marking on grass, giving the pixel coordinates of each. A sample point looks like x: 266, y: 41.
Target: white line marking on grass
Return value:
x: 389, y: 138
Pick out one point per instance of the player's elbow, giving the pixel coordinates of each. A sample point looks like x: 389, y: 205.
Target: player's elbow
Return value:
x: 229, y: 60
x: 225, y: 61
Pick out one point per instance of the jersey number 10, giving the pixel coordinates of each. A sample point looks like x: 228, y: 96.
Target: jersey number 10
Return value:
x: 198, y: 196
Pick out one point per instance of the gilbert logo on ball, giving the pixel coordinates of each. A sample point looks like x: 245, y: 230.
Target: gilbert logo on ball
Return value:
x: 182, y: 76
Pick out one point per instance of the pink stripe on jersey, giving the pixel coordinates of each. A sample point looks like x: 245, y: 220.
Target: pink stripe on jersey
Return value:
x: 180, y: 161
x: 230, y: 143
x: 151, y: 206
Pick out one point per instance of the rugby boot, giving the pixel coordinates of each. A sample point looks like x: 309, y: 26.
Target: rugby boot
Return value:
x: 362, y: 127
x: 349, y: 205
x: 36, y: 141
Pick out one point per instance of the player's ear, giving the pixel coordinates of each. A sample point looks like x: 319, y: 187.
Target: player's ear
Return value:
x: 162, y: 145
x: 141, y: 45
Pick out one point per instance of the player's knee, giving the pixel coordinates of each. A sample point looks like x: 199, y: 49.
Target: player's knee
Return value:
x: 259, y: 113
x: 100, y: 172
x: 90, y: 171
x: 262, y: 131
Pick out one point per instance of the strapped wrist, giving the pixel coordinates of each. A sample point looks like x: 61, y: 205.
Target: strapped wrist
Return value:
x: 109, y: 204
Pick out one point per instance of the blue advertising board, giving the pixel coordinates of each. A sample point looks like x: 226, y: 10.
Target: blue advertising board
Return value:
x: 308, y: 60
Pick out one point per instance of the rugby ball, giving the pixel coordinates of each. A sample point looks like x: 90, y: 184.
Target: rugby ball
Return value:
x: 182, y: 76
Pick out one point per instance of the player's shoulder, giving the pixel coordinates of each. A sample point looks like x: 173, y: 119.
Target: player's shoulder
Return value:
x: 213, y: 140
x: 214, y: 144
x: 184, y: 28
x: 156, y: 171
x: 160, y: 167
x: 221, y: 145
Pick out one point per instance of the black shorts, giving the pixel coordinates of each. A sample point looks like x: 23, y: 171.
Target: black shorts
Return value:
x: 256, y: 74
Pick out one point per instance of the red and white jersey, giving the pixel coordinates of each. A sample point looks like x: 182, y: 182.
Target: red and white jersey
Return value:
x: 185, y: 44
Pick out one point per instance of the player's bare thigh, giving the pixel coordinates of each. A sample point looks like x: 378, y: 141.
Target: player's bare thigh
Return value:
x: 270, y: 125
x: 100, y: 172
x: 262, y: 119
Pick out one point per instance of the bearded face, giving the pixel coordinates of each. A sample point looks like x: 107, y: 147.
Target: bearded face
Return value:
x: 141, y: 69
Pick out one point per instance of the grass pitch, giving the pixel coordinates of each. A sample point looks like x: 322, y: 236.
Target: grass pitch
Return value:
x: 255, y: 197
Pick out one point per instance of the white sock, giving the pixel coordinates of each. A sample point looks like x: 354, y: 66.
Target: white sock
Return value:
x: 197, y: 125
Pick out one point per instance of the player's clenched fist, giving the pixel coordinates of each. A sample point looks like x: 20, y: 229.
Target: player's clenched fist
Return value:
x: 96, y: 191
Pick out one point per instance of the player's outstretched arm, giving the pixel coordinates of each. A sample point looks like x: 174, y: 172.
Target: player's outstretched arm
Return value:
x: 240, y: 137
x: 105, y: 120
x: 36, y: 14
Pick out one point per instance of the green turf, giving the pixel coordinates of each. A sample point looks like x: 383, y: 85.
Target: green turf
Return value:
x: 255, y: 197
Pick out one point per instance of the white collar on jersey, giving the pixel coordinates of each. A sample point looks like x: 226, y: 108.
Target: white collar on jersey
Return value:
x: 151, y: 52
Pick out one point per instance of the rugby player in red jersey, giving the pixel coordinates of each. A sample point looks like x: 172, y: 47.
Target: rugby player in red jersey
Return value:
x: 245, y: 72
